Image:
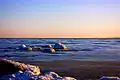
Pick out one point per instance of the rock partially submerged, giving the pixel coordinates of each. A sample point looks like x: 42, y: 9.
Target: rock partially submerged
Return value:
x: 21, y: 71
x: 23, y: 47
x: 60, y: 46
x: 44, y: 48
x: 51, y: 50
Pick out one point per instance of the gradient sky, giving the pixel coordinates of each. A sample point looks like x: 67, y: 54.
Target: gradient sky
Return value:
x: 59, y: 18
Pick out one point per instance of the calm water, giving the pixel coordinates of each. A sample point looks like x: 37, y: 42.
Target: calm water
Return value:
x: 87, y: 49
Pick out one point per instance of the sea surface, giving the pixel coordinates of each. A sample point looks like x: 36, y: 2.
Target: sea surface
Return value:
x: 83, y: 49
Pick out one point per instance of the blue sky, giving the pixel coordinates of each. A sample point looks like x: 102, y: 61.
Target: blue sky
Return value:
x: 60, y: 18
x: 15, y: 7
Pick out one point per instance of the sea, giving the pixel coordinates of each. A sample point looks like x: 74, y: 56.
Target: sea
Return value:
x: 82, y: 49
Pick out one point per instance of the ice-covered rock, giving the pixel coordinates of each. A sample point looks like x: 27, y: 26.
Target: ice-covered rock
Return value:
x: 31, y: 72
x: 23, y: 46
x: 109, y: 78
x: 60, y: 46
x: 12, y: 67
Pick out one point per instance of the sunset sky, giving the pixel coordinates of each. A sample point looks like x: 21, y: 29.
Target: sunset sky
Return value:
x: 59, y: 18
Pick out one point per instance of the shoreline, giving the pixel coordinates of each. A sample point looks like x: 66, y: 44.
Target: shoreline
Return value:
x: 78, y: 69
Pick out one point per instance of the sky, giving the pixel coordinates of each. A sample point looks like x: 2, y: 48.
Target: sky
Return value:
x: 59, y: 18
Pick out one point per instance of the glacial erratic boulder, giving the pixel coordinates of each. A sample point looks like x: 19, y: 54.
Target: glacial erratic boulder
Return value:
x: 48, y: 50
x: 21, y: 71
x: 60, y: 46
x: 10, y: 67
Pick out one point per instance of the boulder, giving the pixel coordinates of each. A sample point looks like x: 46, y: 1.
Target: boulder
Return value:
x: 51, y: 50
x: 30, y: 49
x: 109, y: 78
x: 46, y: 46
x: 22, y: 47
x: 21, y: 71
x: 10, y: 67
x: 36, y: 48
x: 60, y: 46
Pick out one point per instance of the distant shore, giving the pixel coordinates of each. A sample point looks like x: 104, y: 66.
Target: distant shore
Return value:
x: 78, y: 69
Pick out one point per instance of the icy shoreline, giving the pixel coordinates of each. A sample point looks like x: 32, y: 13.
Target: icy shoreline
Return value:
x: 31, y: 72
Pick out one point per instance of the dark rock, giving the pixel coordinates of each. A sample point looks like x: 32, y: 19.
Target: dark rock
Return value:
x: 8, y: 67
x: 51, y: 50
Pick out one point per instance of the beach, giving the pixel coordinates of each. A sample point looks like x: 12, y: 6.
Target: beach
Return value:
x: 81, y: 70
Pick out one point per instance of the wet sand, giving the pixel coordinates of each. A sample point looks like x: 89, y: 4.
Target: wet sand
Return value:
x: 81, y: 70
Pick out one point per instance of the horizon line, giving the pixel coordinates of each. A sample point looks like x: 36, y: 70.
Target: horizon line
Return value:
x: 60, y: 38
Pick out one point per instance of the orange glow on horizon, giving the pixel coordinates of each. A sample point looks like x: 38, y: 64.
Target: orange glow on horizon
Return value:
x: 90, y: 32
x: 69, y: 19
